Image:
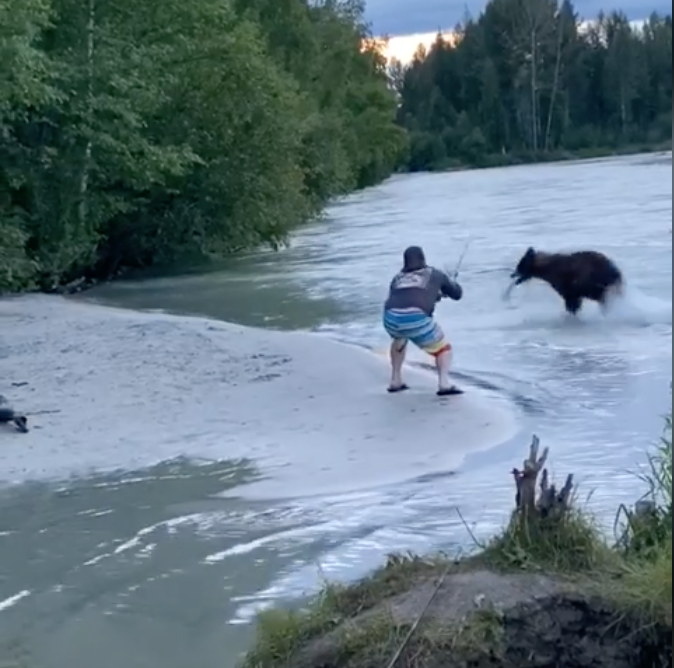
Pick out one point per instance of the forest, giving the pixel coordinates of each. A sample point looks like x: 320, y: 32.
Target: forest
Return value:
x: 135, y: 134
x: 532, y: 80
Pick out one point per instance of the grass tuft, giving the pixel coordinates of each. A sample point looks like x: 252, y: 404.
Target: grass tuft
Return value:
x: 646, y: 586
x: 569, y: 545
x: 660, y: 478
x: 646, y: 542
x: 645, y: 531
x: 281, y: 634
x: 397, y: 576
x: 483, y: 632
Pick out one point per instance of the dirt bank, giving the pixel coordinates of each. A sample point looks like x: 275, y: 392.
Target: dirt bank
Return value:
x: 478, y: 618
x: 112, y: 389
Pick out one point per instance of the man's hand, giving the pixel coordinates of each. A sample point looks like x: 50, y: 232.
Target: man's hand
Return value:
x: 453, y: 274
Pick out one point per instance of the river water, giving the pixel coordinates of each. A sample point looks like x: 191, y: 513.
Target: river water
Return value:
x: 167, y: 564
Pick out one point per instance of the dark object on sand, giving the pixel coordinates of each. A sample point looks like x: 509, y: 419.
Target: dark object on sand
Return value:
x: 574, y: 276
x: 9, y: 416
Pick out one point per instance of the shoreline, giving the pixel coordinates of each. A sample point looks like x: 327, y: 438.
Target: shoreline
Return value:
x: 558, y: 158
x: 154, y: 387
x: 83, y: 284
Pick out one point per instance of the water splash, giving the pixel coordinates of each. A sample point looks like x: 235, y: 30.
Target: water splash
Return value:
x: 636, y: 307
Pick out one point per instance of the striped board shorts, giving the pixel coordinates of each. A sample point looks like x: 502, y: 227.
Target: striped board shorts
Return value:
x: 416, y: 326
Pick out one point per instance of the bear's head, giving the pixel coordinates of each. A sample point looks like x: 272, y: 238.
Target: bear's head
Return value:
x: 526, y: 268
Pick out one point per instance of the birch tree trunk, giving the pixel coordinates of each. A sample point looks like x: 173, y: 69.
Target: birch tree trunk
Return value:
x: 555, y: 83
x: 86, y: 162
x: 534, y: 89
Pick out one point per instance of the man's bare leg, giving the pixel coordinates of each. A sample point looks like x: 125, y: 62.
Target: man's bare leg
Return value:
x: 398, y: 351
x: 443, y: 363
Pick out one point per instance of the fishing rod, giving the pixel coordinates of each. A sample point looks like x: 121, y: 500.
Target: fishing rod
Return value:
x: 455, y: 273
x: 463, y: 257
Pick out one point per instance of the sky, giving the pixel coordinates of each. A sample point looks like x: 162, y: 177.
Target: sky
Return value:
x: 415, y: 21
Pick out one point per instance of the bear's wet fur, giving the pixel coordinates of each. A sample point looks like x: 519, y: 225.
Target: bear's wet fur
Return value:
x: 574, y: 276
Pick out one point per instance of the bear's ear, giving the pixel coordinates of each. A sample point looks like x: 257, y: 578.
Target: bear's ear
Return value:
x: 531, y: 252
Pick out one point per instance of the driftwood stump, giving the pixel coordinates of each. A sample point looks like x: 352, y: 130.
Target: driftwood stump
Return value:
x: 550, y: 503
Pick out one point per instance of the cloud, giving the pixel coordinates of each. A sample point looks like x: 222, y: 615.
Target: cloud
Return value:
x: 405, y: 17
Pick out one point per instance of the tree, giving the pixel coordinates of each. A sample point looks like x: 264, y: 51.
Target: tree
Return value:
x: 525, y: 81
x: 134, y: 134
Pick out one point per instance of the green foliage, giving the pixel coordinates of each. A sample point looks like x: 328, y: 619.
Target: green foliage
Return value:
x: 646, y: 585
x: 16, y: 269
x: 643, y: 534
x: 282, y: 641
x: 646, y: 542
x: 567, y: 545
x: 280, y: 633
x: 660, y: 480
x: 525, y: 81
x: 132, y: 134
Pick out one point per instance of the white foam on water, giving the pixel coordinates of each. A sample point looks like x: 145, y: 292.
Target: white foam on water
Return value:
x: 637, y: 307
x: 137, y: 541
x: 13, y: 600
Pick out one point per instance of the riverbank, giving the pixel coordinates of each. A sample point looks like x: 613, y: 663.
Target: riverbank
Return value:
x: 497, y: 160
x: 85, y: 283
x: 548, y: 591
x: 149, y: 387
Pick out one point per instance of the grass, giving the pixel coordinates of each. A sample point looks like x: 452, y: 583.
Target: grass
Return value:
x: 571, y: 545
x: 378, y: 642
x: 375, y: 641
x: 646, y: 586
x: 646, y: 531
x: 660, y: 478
x: 281, y: 633
x: 635, y: 575
x: 646, y: 541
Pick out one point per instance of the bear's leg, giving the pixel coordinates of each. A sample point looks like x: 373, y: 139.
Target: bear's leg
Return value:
x: 573, y: 304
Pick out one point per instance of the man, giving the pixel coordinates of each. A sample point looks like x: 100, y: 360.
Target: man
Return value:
x: 408, y: 316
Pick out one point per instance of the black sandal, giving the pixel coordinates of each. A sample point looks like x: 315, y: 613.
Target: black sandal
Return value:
x: 450, y: 392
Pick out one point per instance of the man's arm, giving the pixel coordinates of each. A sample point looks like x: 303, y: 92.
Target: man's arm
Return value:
x: 451, y: 288
x: 393, y: 283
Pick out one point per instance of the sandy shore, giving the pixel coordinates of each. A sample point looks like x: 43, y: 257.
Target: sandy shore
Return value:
x: 131, y: 389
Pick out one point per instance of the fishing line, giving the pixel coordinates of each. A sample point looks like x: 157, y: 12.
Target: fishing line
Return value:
x: 462, y: 258
x: 455, y: 274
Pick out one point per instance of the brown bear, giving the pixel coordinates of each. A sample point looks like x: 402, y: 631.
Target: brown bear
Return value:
x: 574, y: 276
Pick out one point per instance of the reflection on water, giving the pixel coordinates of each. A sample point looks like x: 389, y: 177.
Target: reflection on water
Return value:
x: 148, y: 568
x: 259, y: 291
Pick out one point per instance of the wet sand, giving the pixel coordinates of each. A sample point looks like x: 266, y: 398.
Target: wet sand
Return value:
x: 130, y: 389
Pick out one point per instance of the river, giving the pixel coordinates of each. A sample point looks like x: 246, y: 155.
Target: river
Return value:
x: 164, y: 558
